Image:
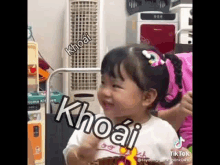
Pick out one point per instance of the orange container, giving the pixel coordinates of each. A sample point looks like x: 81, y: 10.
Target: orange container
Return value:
x: 35, y: 136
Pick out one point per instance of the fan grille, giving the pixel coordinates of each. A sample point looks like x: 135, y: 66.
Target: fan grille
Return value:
x: 134, y: 6
x: 136, y: 3
x: 84, y: 25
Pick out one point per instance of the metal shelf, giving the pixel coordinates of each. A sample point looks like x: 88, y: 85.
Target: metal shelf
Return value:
x: 61, y: 70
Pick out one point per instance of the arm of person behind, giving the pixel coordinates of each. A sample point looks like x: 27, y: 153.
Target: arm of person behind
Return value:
x: 177, y: 114
x: 170, y: 115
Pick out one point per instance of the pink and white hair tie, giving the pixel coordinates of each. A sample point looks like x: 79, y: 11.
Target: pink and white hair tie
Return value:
x: 157, y: 63
x: 149, y: 55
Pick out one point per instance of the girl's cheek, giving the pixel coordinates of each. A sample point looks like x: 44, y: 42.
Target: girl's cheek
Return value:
x: 99, y: 95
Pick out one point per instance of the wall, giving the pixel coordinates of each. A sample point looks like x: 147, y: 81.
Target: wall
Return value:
x: 47, y: 18
x: 115, y: 22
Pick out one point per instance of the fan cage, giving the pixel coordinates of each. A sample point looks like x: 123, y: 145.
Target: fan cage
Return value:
x: 134, y: 6
x: 84, y: 23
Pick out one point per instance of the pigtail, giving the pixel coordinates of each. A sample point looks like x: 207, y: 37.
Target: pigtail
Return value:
x: 177, y: 63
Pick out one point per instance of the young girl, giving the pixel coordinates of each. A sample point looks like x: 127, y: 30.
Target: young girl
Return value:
x: 131, y: 86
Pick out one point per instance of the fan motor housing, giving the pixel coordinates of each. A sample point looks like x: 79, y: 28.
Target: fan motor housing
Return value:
x: 135, y: 6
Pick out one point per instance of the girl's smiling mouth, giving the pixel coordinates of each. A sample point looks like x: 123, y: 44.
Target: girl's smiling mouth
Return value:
x: 108, y: 105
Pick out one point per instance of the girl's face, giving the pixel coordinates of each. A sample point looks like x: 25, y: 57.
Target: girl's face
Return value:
x: 121, y: 99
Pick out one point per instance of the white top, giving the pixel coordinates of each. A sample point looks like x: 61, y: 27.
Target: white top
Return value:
x: 155, y: 141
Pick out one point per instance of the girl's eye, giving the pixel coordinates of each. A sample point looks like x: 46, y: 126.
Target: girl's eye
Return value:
x: 116, y: 86
x: 102, y: 84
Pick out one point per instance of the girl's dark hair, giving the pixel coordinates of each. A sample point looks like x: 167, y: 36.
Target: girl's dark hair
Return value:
x: 141, y: 72
x: 177, y: 64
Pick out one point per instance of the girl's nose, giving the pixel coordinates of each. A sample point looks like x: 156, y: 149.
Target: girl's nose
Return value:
x: 106, y: 92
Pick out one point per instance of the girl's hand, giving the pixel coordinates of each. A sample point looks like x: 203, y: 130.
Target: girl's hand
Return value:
x: 182, y: 160
x: 87, y: 150
x: 185, y: 105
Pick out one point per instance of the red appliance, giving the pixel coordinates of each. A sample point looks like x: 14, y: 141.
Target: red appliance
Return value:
x: 157, y: 29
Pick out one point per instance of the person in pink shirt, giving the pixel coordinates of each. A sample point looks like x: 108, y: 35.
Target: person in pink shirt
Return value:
x: 179, y: 95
